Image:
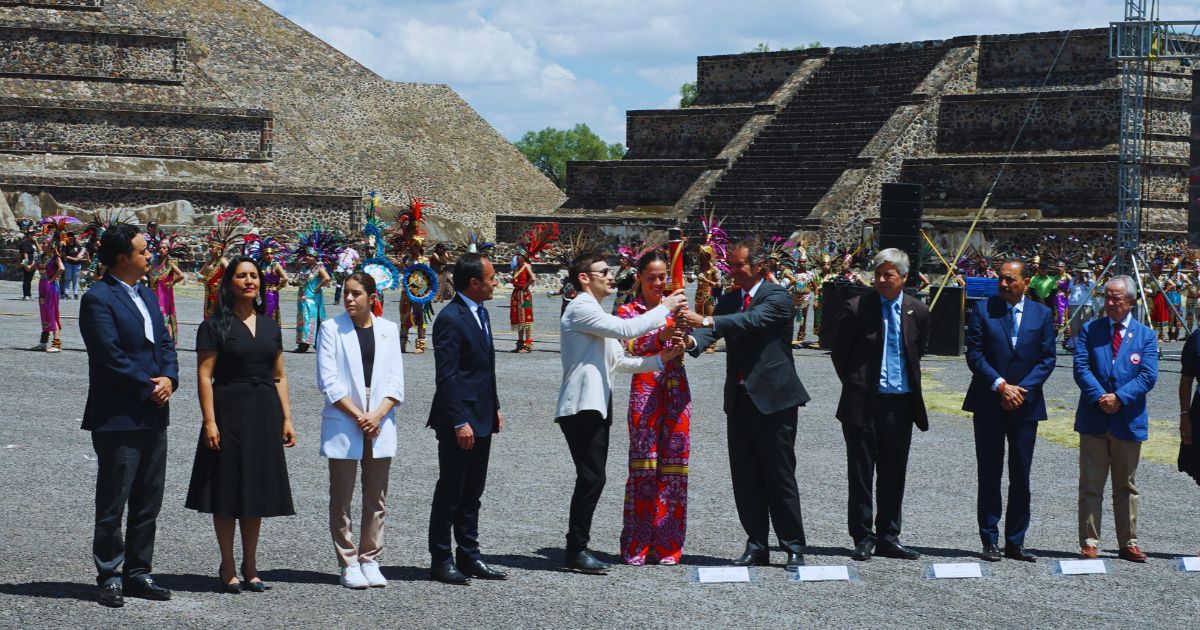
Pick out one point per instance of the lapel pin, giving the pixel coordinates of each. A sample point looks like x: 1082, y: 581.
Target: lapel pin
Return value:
x: 908, y: 312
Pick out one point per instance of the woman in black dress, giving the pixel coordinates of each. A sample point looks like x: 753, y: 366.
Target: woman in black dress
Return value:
x: 240, y: 473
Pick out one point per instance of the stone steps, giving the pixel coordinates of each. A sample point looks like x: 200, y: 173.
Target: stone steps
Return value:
x: 133, y: 129
x: 91, y: 52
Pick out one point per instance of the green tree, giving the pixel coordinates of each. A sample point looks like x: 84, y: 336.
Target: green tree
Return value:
x: 550, y: 149
x: 688, y: 94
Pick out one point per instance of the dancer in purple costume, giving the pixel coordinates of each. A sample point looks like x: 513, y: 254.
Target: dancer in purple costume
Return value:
x: 274, y: 279
x: 50, y: 269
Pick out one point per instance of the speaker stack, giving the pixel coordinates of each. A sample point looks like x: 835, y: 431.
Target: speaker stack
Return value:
x: 900, y: 222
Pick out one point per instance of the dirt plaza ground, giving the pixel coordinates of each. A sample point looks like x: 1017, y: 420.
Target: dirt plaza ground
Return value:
x: 47, y: 473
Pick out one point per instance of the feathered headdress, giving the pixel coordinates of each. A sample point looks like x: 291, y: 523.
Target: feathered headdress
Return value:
x: 473, y: 245
x: 537, y: 240
x: 409, y: 228
x: 104, y: 219
x: 576, y: 245
x: 323, y: 244
x: 254, y: 246
x: 716, y: 241
x: 230, y: 225
x: 779, y: 250
x: 55, y: 228
x: 179, y: 247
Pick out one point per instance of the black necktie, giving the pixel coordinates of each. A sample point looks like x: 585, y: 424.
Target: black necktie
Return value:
x: 483, y: 323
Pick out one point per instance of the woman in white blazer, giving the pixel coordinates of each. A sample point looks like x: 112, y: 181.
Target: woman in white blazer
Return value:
x: 360, y: 373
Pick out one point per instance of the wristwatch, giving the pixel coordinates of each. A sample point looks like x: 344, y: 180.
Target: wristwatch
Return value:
x: 707, y: 323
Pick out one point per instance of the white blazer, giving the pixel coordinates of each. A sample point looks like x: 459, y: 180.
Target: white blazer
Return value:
x: 340, y: 374
x: 591, y: 353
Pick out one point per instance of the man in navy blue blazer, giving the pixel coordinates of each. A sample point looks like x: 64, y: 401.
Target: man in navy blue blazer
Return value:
x: 132, y: 372
x: 1116, y: 366
x: 465, y: 413
x: 1010, y: 350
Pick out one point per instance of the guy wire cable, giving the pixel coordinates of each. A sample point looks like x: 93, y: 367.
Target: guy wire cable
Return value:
x: 1008, y: 156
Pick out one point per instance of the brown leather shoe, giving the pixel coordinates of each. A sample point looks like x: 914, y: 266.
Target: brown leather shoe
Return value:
x: 1089, y: 553
x: 1132, y: 554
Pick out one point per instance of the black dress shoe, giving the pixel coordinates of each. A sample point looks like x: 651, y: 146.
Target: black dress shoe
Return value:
x: 795, y: 560
x: 1017, y: 552
x: 110, y: 595
x: 991, y: 553
x: 863, y: 550
x: 480, y: 569
x: 752, y: 558
x: 584, y: 562
x: 143, y: 587
x: 895, y: 550
x: 447, y: 573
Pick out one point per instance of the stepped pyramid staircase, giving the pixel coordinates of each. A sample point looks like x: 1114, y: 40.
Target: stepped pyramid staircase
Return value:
x: 792, y: 163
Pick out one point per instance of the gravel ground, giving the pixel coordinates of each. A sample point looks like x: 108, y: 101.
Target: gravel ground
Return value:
x: 47, y: 474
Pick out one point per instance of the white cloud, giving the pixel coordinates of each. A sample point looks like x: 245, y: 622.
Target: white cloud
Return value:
x: 528, y: 64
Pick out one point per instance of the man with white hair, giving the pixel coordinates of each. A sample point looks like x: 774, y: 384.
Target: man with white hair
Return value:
x: 1116, y: 365
x: 877, y: 355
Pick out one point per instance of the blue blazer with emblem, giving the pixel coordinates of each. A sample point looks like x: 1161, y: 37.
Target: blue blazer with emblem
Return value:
x: 991, y: 355
x: 1130, y: 376
x: 121, y: 361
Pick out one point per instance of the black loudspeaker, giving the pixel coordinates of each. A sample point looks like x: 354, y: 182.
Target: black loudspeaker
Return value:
x: 948, y: 323
x: 900, y: 221
x: 833, y: 299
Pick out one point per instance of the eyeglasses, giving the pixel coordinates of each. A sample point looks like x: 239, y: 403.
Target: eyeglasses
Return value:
x: 603, y: 272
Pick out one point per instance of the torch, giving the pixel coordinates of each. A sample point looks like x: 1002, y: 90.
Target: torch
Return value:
x: 675, y: 257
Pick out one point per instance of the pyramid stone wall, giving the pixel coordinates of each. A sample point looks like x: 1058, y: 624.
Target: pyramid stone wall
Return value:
x: 215, y: 104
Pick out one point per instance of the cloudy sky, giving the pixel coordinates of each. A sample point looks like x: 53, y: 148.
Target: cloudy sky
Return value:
x: 530, y: 64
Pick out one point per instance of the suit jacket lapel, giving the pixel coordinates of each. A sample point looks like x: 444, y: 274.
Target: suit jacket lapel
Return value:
x: 353, y: 352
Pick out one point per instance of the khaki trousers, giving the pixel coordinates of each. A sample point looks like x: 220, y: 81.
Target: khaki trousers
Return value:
x: 1098, y: 454
x: 341, y: 491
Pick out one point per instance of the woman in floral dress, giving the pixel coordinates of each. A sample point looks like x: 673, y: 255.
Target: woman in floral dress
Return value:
x: 660, y: 409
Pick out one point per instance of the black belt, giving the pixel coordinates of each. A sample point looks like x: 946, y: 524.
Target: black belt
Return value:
x: 249, y: 380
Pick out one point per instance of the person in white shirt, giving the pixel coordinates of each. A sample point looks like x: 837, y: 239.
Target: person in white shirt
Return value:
x: 591, y: 354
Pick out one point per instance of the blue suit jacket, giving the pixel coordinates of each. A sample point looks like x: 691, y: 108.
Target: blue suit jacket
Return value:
x: 121, y: 361
x: 465, y: 366
x: 1131, y: 376
x: 990, y: 355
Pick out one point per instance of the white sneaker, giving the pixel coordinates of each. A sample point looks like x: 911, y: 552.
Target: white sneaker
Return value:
x: 370, y: 570
x: 54, y: 349
x: 352, y: 577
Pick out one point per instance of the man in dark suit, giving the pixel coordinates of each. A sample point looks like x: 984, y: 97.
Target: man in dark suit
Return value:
x: 465, y: 414
x: 132, y: 372
x: 877, y: 356
x: 1010, y: 350
x: 762, y: 394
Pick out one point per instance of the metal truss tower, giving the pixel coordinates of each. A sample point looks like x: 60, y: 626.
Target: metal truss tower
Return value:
x: 1135, y: 42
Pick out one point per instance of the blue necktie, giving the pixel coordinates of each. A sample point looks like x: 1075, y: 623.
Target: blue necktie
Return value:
x: 1012, y: 316
x: 483, y: 322
x: 893, y: 341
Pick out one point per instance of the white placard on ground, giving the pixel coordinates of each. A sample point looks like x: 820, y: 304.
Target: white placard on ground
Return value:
x: 714, y: 575
x: 1190, y: 563
x: 952, y: 570
x: 831, y: 573
x: 1081, y: 567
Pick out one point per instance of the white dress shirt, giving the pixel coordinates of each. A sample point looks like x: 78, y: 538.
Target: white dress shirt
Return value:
x: 1018, y: 310
x: 136, y: 296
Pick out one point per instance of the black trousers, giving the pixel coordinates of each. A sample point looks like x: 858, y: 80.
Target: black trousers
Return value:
x: 991, y: 435
x: 762, y: 464
x: 131, y: 468
x: 878, y: 451
x: 456, y: 499
x: 587, y: 438
x: 27, y: 283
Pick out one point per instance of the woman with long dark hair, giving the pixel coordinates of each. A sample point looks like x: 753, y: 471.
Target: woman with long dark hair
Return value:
x: 660, y: 409
x: 240, y: 473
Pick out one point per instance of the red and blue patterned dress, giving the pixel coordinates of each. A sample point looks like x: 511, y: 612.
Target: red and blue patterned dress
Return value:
x: 660, y: 409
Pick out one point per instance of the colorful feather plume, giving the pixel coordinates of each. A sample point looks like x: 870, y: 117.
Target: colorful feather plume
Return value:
x: 230, y: 225
x: 254, y: 245
x: 323, y: 244
x: 716, y: 241
x: 538, y: 239
x: 103, y: 219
